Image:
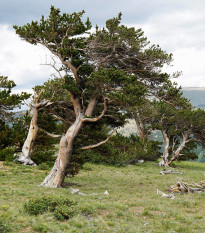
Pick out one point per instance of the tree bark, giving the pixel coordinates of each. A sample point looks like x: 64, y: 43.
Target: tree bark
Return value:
x: 27, y: 148
x: 176, y: 153
x: 140, y: 127
x: 164, y: 161
x: 56, y: 177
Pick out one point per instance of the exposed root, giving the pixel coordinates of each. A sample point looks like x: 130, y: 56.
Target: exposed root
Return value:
x: 25, y: 161
x: 51, y: 180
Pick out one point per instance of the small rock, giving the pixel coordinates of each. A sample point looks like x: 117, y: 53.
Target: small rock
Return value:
x: 141, y: 161
x: 106, y: 192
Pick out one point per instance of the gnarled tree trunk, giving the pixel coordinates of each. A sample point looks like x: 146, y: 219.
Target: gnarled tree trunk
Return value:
x: 140, y: 127
x: 27, y: 148
x: 57, y: 174
x: 176, y: 153
x: 56, y: 177
x: 164, y: 161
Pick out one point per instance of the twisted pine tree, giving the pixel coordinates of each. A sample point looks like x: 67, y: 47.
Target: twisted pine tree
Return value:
x: 9, y: 100
x: 181, y: 125
x: 111, y: 66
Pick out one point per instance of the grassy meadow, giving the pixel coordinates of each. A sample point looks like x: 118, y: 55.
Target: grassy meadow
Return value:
x: 131, y: 206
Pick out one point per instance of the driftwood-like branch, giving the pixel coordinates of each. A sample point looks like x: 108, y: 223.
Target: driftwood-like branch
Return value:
x: 98, y: 144
x: 39, y: 96
x: 181, y: 187
x: 50, y: 134
x: 77, y: 191
x: 176, y: 153
x: 171, y: 195
x: 53, y: 65
x: 62, y: 59
x: 164, y: 172
x: 43, y: 105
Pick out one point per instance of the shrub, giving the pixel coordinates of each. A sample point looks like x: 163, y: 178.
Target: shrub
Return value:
x: 63, y: 212
x: 7, y: 154
x: 5, y: 224
x: 43, y: 166
x: 43, y: 154
x: 120, y: 150
x: 61, y: 206
x: 37, y: 206
x: 145, y: 149
x: 41, y: 227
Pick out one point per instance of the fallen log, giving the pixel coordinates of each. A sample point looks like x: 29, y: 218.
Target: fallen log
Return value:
x: 164, y: 172
x: 181, y: 187
x: 77, y: 191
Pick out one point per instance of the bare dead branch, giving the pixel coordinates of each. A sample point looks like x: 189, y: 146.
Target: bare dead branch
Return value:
x: 62, y: 59
x: 50, y: 134
x: 98, y: 144
x: 170, y: 172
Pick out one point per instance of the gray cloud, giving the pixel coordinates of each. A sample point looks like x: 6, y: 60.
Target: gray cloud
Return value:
x: 23, y: 11
x: 176, y: 25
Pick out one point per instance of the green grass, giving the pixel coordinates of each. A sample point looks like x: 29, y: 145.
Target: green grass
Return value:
x: 131, y: 206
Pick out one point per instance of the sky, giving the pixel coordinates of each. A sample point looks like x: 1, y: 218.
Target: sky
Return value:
x: 178, y: 26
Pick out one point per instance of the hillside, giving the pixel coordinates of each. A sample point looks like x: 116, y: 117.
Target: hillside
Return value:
x: 196, y: 95
x: 132, y: 205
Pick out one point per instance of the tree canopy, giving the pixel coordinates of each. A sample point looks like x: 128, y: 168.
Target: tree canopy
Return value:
x: 106, y: 75
x: 9, y: 100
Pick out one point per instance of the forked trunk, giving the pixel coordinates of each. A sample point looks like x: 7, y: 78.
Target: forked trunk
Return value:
x: 140, y: 128
x: 176, y: 153
x: 164, y: 161
x: 56, y: 177
x: 27, y: 148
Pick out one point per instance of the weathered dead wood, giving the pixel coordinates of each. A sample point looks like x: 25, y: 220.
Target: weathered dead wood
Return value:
x: 25, y: 156
x: 181, y: 187
x: 171, y: 195
x: 98, y: 144
x: 164, y: 172
x: 164, y: 161
x: 176, y: 154
x: 77, y: 191
x: 50, y: 134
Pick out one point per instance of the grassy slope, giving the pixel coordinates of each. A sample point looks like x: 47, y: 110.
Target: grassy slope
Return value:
x: 132, y: 206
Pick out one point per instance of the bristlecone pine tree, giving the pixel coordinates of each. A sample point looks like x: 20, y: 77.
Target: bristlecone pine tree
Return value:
x: 46, y: 99
x: 181, y: 125
x: 27, y: 149
x: 9, y: 100
x: 113, y: 64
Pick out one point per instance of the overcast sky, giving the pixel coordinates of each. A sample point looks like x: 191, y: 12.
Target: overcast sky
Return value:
x: 178, y: 26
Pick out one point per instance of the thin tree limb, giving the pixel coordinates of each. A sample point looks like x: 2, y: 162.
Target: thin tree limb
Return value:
x: 98, y: 144
x: 50, y: 134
